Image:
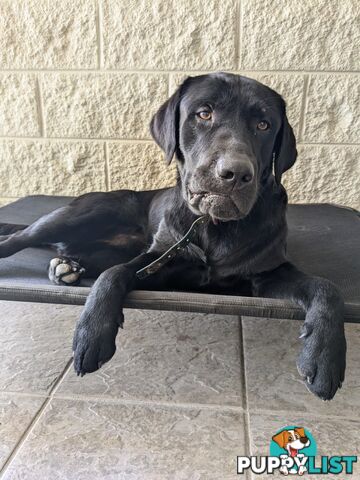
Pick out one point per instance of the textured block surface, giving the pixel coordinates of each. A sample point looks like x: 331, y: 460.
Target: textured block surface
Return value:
x: 139, y: 166
x: 98, y: 70
x: 19, y: 115
x: 105, y: 105
x: 288, y: 35
x: 57, y: 168
x: 328, y: 173
x: 333, y: 109
x: 159, y: 34
x: 47, y: 34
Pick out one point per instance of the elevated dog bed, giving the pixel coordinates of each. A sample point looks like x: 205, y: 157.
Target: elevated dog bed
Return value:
x: 323, y: 240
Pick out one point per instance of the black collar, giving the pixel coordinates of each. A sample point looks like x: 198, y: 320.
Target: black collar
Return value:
x: 172, y: 251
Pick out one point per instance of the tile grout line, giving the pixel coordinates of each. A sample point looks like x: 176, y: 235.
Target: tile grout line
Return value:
x: 212, y: 406
x: 245, y: 389
x: 77, y: 139
x: 60, y: 378
x: 145, y: 140
x: 99, y: 35
x: 185, y: 70
x: 323, y: 416
x: 320, y: 144
x: 238, y: 29
x: 303, y: 107
x: 169, y: 85
x: 40, y: 106
x: 107, y: 167
x: 241, y: 27
x: 149, y: 403
x: 35, y: 419
x: 14, y: 393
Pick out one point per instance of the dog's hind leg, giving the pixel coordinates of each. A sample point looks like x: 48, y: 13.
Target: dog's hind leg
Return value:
x: 95, y: 231
x: 89, y: 218
x: 46, y: 230
x: 9, y: 228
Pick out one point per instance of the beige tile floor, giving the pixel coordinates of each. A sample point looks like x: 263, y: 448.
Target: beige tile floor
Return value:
x: 183, y: 396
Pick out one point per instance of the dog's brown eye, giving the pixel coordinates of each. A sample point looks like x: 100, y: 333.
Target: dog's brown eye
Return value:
x: 263, y: 125
x: 205, y: 115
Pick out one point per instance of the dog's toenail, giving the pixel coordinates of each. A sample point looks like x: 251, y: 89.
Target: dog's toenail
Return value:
x: 305, y: 330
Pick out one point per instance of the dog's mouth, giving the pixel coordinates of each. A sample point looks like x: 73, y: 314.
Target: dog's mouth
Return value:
x: 219, y: 206
x: 293, y: 452
x: 197, y: 196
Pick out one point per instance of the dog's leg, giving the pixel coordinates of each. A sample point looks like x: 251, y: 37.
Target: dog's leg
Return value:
x: 96, y: 330
x: 9, y: 228
x: 323, y: 357
x: 46, y: 230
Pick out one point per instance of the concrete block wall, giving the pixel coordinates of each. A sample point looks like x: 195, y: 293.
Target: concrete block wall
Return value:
x: 79, y: 81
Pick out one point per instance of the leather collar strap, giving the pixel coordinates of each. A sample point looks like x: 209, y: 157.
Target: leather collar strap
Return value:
x: 172, y: 251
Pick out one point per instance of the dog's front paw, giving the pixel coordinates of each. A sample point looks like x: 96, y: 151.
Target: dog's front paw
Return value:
x: 94, y: 341
x: 63, y: 271
x: 322, y: 360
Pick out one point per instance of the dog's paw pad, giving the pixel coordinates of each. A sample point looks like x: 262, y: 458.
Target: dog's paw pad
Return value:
x: 63, y: 271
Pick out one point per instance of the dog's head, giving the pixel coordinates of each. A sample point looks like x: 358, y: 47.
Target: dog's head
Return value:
x: 227, y: 132
x: 292, y: 440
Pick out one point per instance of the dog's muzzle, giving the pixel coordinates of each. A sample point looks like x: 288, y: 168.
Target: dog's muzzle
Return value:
x: 218, y: 205
x: 226, y: 189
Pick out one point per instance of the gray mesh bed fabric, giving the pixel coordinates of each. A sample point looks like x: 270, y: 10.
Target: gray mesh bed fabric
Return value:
x: 323, y: 240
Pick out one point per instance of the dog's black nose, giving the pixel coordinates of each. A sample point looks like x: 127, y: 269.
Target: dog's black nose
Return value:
x: 231, y: 171
x: 304, y: 440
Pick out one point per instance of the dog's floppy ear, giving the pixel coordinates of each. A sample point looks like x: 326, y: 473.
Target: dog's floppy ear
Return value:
x: 164, y: 125
x: 300, y: 431
x: 285, y: 152
x: 281, y: 438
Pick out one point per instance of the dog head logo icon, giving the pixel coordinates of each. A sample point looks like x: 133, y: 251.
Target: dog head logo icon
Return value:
x: 291, y: 441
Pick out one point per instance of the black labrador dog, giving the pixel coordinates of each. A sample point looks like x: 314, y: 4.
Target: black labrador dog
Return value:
x: 229, y: 134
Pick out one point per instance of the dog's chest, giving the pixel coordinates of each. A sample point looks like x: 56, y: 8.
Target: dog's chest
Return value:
x: 236, y: 256
x: 216, y: 263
